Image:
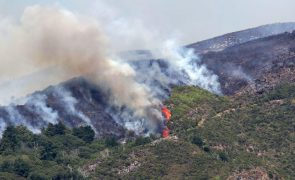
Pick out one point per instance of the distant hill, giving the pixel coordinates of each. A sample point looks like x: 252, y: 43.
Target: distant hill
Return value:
x: 231, y: 39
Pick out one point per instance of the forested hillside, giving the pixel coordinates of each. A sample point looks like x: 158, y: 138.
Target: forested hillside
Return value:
x: 211, y: 136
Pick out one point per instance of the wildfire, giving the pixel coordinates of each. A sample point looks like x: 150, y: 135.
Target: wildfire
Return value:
x: 165, y: 132
x: 167, y: 114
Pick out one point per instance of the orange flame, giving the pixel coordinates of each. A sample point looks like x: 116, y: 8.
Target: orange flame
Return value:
x: 165, y: 132
x: 166, y: 113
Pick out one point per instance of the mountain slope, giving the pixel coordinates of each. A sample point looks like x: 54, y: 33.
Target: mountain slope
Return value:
x: 216, y: 137
x: 75, y: 102
x: 240, y: 58
x: 243, y: 64
x: 254, y: 66
x: 248, y: 133
x: 212, y: 137
x: 231, y: 39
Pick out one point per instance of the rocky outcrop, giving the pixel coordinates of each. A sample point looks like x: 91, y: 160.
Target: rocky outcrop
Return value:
x: 256, y: 173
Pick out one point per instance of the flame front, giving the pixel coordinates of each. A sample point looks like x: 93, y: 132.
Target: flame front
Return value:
x: 167, y: 114
x: 165, y: 132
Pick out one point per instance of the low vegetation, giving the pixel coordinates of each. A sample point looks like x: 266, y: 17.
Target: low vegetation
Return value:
x: 212, y: 137
x: 56, y: 153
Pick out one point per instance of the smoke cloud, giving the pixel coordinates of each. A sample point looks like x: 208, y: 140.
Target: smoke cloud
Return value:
x: 38, y: 104
x: 53, y: 44
x: 69, y: 102
x: 185, y: 60
x: 16, y: 119
x: 2, y: 126
x: 53, y: 37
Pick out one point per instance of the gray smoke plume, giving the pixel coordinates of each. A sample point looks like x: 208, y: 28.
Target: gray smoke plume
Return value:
x: 35, y: 103
x: 69, y: 102
x: 2, y: 126
x: 38, y: 104
x: 185, y: 60
x: 68, y: 45
x: 49, y: 37
x: 16, y: 119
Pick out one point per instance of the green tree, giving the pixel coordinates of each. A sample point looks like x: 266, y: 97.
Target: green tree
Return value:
x: 55, y: 129
x: 21, y: 168
x: 198, y: 141
x: 111, y: 142
x: 7, y: 166
x: 142, y: 140
x: 223, y: 156
x: 85, y: 133
x: 38, y: 176
x: 48, y: 151
x: 206, y: 149
x: 9, y: 142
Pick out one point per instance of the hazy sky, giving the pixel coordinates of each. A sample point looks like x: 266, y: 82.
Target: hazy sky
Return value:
x: 193, y: 20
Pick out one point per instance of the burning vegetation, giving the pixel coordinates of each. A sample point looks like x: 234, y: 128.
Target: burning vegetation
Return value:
x: 167, y: 115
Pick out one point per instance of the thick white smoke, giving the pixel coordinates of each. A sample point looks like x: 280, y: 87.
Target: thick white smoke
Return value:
x: 2, y: 126
x: 70, y: 102
x: 16, y: 119
x: 38, y: 104
x: 185, y: 60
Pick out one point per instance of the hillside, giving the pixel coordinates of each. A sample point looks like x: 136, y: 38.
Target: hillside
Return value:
x: 211, y: 137
x: 231, y: 39
x: 250, y: 62
x: 71, y: 131
x: 250, y: 65
x: 254, y: 66
x: 76, y: 102
x: 217, y: 137
x: 242, y: 63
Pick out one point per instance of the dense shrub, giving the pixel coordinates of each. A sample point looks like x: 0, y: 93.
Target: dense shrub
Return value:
x: 21, y: 168
x: 85, y: 133
x: 7, y: 166
x: 38, y: 176
x: 18, y: 167
x: 111, y: 142
x: 55, y: 129
x: 142, y: 141
x: 48, y: 152
x: 223, y: 156
x: 46, y: 155
x: 206, y: 148
x: 10, y: 141
x: 197, y: 141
